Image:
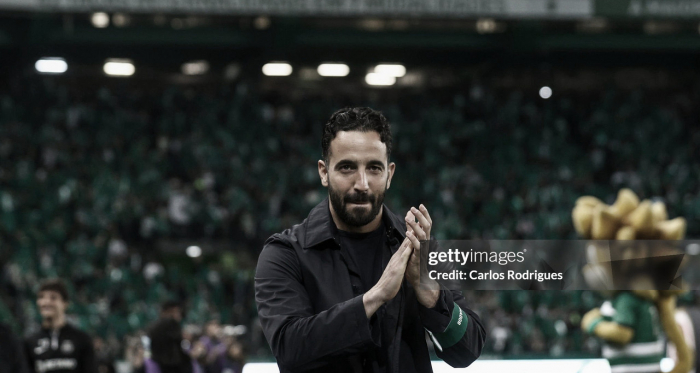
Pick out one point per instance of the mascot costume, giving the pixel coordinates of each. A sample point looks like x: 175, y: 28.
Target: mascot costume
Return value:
x: 628, y: 323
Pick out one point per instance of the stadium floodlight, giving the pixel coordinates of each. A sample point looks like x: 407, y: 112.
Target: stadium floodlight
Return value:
x: 120, y: 19
x: 486, y: 26
x: 119, y: 67
x: 100, y: 19
x: 195, y: 68
x: 333, y: 69
x: 545, y: 92
x: 394, y: 70
x: 194, y: 251
x: 380, y: 79
x: 51, y: 65
x: 277, y: 69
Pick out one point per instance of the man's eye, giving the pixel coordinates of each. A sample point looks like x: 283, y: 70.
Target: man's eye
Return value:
x: 345, y: 168
x: 376, y: 168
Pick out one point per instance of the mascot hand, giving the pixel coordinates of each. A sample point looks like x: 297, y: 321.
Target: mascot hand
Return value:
x: 590, y: 319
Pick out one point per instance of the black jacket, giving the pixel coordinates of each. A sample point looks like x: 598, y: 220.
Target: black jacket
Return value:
x: 66, y: 350
x: 313, y: 316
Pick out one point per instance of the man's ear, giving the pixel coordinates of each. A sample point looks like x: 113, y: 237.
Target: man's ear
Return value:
x: 323, y: 173
x: 391, y: 169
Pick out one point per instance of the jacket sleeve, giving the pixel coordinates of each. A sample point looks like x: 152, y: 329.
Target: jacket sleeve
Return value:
x: 456, y: 331
x: 301, y: 339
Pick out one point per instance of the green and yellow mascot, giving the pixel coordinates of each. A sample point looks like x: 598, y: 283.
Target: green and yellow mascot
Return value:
x: 628, y: 322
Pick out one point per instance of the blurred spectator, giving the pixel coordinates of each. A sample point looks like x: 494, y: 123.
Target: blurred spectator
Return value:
x: 213, y: 344
x: 234, y: 359
x: 12, y: 358
x: 172, y: 309
x: 58, y: 346
x: 103, y: 356
x: 134, y: 354
x: 167, y: 354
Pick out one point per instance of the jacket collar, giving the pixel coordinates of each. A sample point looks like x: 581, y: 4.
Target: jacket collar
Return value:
x: 320, y: 227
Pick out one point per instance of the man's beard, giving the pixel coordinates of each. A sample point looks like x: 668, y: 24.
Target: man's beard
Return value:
x: 358, y: 216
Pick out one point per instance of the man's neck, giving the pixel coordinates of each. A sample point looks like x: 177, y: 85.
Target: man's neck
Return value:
x: 54, y: 322
x: 369, y: 227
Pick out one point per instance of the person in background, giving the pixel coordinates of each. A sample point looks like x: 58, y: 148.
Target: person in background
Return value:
x: 103, y: 357
x: 235, y: 358
x: 58, y: 347
x: 215, y: 348
x: 135, y: 353
x: 172, y: 309
x: 12, y: 358
x: 167, y: 354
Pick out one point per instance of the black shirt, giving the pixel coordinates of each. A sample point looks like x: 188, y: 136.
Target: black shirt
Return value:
x: 64, y: 350
x: 364, y: 251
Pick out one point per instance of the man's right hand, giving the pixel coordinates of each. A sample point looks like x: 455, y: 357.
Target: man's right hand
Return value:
x: 389, y: 284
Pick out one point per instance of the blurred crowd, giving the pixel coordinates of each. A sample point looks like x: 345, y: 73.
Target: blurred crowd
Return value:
x: 99, y: 184
x: 212, y: 348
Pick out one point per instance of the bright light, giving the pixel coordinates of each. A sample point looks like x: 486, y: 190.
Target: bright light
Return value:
x: 333, y: 69
x: 545, y: 92
x: 100, y: 19
x: 194, y: 251
x: 667, y: 364
x: 486, y: 26
x: 51, y: 65
x: 115, y: 67
x: 380, y: 79
x: 693, y: 249
x: 394, y: 70
x: 120, y: 19
x: 261, y: 23
x: 232, y: 71
x: 277, y: 69
x: 195, y: 68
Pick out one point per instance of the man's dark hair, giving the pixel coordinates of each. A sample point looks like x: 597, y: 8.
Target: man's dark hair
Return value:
x: 362, y: 119
x: 170, y: 304
x: 55, y: 284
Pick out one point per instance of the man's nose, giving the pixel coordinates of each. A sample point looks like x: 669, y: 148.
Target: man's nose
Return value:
x: 361, y: 183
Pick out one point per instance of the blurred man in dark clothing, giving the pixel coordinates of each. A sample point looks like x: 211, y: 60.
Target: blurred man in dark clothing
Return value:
x: 58, y: 347
x: 167, y: 355
x: 12, y: 358
x: 172, y: 309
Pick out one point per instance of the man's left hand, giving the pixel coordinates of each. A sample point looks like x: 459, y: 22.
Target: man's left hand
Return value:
x: 427, y: 290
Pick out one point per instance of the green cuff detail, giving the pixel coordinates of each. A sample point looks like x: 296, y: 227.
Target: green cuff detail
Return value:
x: 455, y: 329
x: 595, y: 323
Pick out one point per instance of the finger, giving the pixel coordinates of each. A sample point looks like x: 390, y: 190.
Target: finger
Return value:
x: 416, y: 228
x: 405, y: 256
x: 404, y: 246
x: 409, y: 217
x: 414, y: 240
x: 421, y: 218
x: 424, y: 210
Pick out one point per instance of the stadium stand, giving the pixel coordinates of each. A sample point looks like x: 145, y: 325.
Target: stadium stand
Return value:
x: 96, y: 181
